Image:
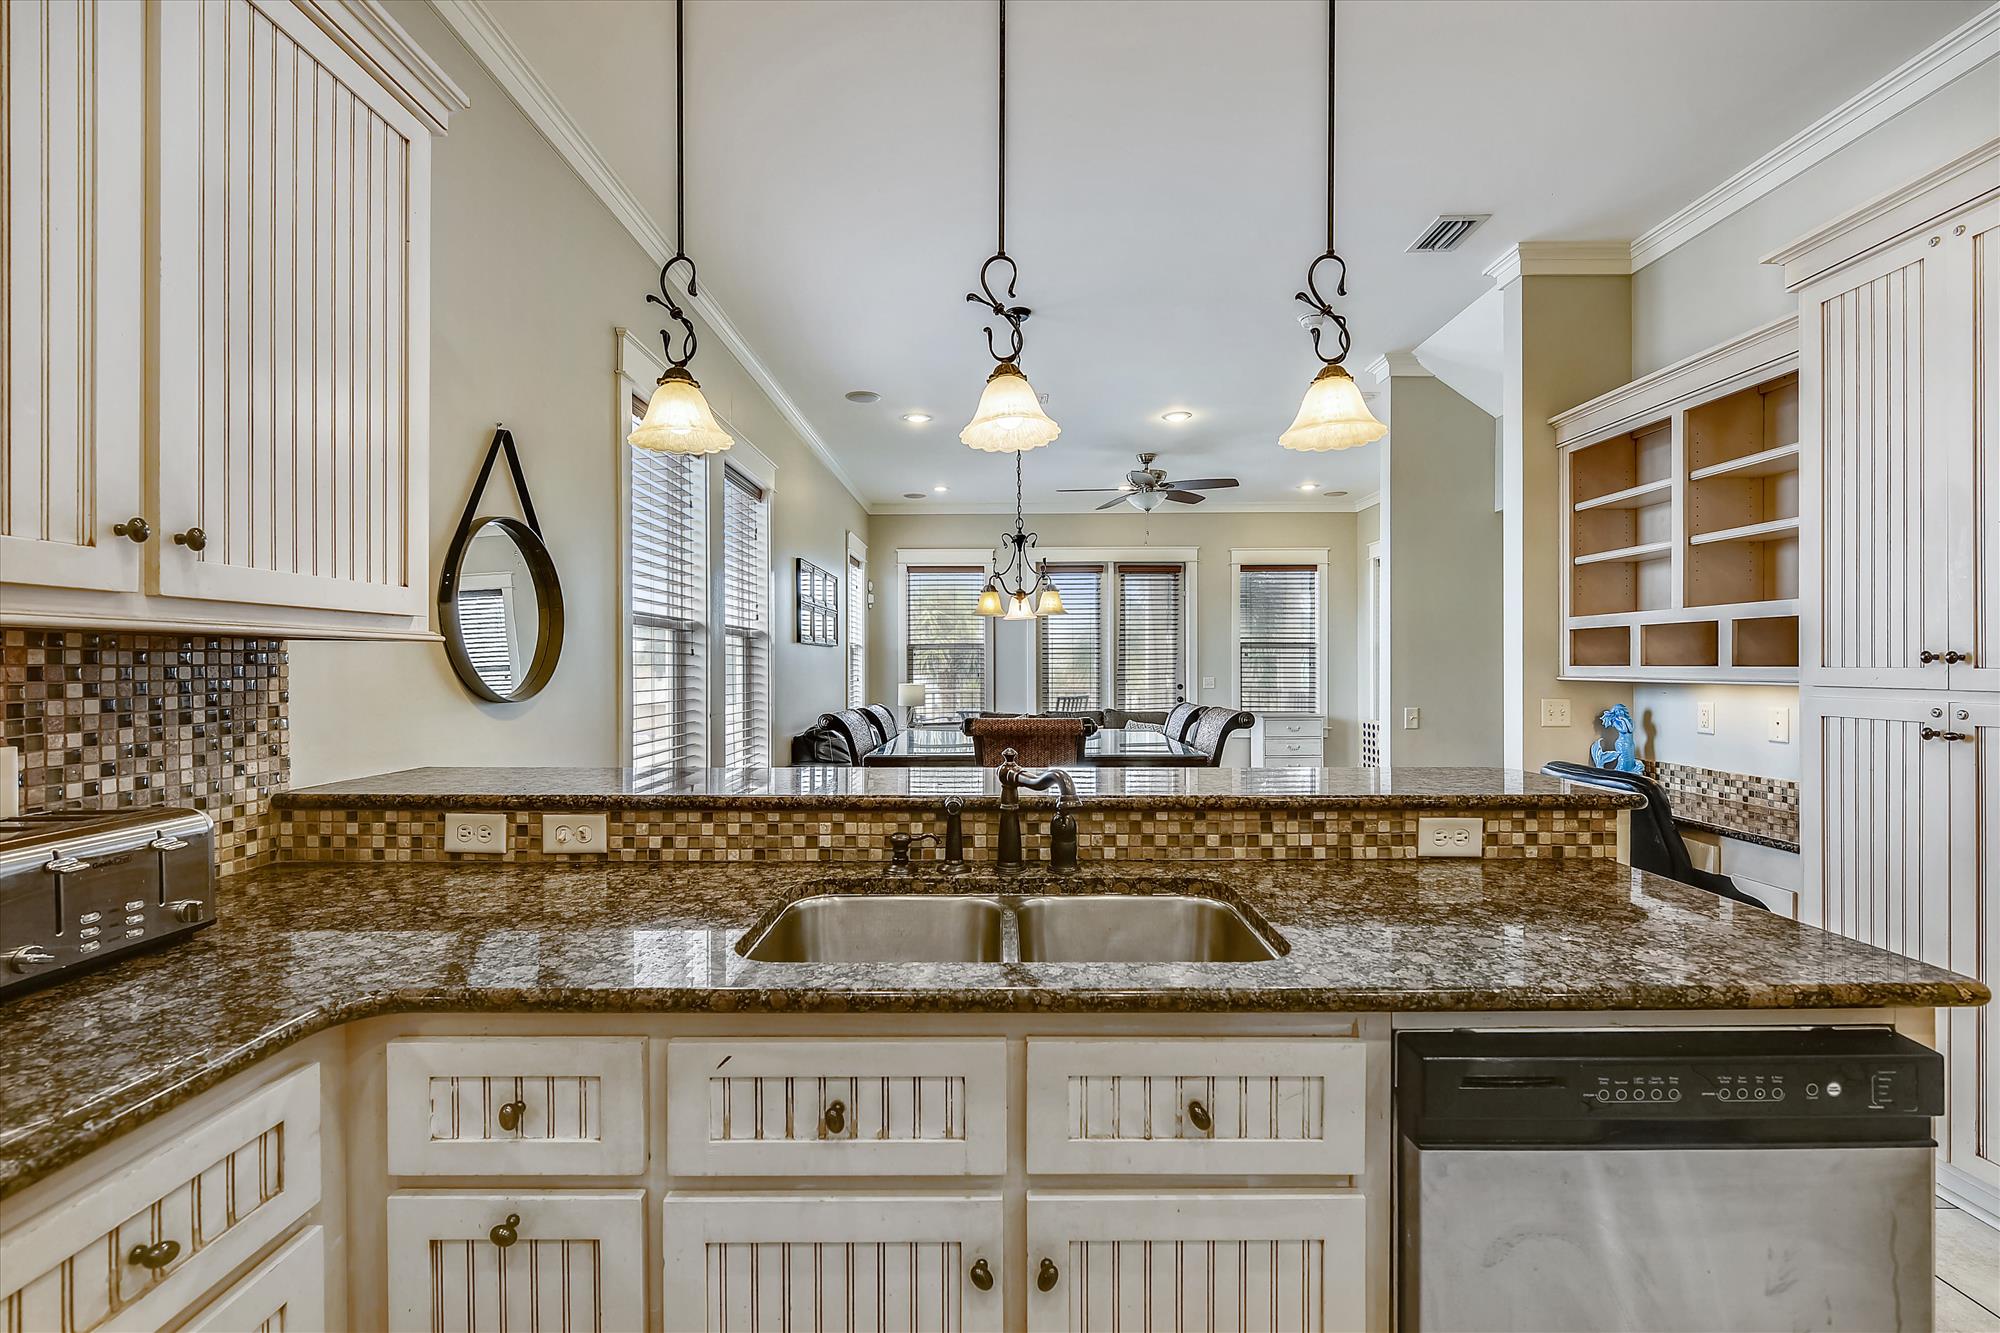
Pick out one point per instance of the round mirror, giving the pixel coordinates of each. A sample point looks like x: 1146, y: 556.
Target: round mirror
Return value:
x: 500, y: 608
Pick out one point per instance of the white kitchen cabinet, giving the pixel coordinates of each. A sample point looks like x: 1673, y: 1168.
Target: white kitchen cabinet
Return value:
x: 521, y: 1261
x: 220, y: 294
x: 748, y: 1264
x: 284, y: 1294
x: 498, y: 1106
x: 1240, y: 1260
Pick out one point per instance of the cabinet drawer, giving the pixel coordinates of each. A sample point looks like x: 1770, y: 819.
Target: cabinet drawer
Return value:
x: 1197, y: 1106
x: 1294, y: 728
x: 1239, y: 1260
x: 284, y: 1294
x: 836, y: 1108
x: 1280, y: 745
x: 1311, y: 759
x: 502, y: 1106
x: 202, y: 1204
x: 572, y: 1259
x: 766, y: 1263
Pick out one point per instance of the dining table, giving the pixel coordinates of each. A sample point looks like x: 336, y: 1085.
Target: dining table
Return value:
x: 1114, y: 747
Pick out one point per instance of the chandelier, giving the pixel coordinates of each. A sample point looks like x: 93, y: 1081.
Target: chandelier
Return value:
x: 1033, y: 593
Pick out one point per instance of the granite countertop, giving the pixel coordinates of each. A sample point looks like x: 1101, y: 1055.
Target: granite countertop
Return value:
x: 301, y: 948
x: 823, y: 785
x: 1768, y: 825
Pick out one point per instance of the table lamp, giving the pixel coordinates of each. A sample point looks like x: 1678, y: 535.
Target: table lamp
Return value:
x: 910, y: 695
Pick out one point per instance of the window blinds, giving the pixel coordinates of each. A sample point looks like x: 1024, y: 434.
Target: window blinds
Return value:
x: 946, y: 638
x: 857, y: 632
x: 488, y: 637
x: 746, y: 623
x: 1148, y: 671
x: 1069, y: 668
x: 669, y: 605
x: 1277, y: 633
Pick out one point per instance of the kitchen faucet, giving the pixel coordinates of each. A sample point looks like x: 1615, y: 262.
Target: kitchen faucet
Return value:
x: 1062, y: 827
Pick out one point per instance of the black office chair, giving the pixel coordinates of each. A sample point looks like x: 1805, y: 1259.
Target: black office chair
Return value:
x: 1656, y: 843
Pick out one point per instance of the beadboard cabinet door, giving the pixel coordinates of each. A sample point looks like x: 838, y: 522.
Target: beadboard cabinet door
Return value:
x: 1970, y: 1038
x: 71, y: 443
x: 292, y: 317
x: 1979, y: 549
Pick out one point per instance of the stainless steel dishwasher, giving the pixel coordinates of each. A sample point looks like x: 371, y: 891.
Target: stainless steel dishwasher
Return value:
x: 1754, y: 1179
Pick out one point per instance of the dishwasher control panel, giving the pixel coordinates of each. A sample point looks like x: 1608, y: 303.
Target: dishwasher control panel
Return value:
x: 1794, y: 1085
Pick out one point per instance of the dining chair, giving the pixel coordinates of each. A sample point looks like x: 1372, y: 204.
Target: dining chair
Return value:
x: 883, y: 718
x: 856, y: 728
x: 1212, y: 727
x: 1179, y: 718
x: 1035, y: 741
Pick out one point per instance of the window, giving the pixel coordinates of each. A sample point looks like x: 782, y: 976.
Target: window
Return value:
x: 1277, y: 635
x: 1151, y: 637
x: 667, y: 598
x: 946, y: 638
x: 746, y: 623
x: 1069, y: 665
x: 857, y: 631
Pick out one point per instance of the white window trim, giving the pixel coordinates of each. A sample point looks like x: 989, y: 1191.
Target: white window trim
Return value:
x: 919, y: 556
x: 1107, y: 557
x: 1276, y: 555
x: 857, y: 549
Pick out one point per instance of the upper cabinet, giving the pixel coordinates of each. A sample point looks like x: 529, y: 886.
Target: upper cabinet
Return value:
x: 217, y: 402
x: 1680, y: 503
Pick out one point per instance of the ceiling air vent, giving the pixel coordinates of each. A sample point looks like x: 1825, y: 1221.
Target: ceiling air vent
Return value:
x: 1446, y: 233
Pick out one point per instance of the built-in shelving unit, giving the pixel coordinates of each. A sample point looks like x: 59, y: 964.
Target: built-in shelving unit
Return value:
x: 1681, y: 541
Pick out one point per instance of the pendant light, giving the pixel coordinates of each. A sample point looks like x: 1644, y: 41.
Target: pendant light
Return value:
x: 1033, y: 594
x: 1333, y: 415
x: 677, y: 420
x: 1009, y: 418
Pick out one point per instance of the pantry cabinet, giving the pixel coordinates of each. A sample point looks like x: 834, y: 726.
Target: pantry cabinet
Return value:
x: 218, y: 295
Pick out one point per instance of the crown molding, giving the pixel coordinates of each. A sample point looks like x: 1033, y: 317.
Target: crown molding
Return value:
x: 1759, y: 354
x: 1391, y: 364
x: 1358, y: 503
x: 1540, y: 259
x: 365, y: 31
x: 473, y: 25
x: 1970, y: 45
x: 1943, y: 189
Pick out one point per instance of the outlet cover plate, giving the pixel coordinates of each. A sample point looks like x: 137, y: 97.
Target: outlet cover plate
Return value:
x: 573, y: 835
x: 1555, y: 712
x: 1704, y: 717
x: 1780, y: 731
x: 1451, y: 837
x: 475, y: 835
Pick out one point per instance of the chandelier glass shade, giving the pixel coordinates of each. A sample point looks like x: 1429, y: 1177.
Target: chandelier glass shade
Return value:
x: 1031, y: 594
x: 1333, y: 415
x: 678, y: 421
x: 1010, y: 419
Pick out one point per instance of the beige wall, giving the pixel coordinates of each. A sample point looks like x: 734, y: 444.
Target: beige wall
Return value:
x: 1214, y: 534
x: 1367, y: 531
x: 530, y: 274
x: 1444, y: 577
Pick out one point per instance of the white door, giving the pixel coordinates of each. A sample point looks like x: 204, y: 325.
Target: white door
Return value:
x: 1879, y: 411
x: 1971, y: 1037
x: 1976, y: 541
x: 292, y: 317
x: 1241, y: 1260
x: 747, y: 1263
x: 523, y: 1261
x: 71, y: 460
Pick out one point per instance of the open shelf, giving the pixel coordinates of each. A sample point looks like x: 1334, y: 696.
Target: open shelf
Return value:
x: 1684, y: 643
x: 1777, y: 529
x: 1609, y: 645
x: 1764, y: 463
x: 1632, y: 497
x: 1740, y: 425
x: 1621, y: 464
x: 1764, y: 641
x: 1629, y: 555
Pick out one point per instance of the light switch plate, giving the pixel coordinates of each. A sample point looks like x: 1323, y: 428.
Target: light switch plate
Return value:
x: 1413, y: 719
x: 573, y: 835
x: 1208, y: 682
x: 1451, y: 837
x: 475, y: 835
x: 1704, y: 717
x: 1555, y: 712
x: 1780, y: 732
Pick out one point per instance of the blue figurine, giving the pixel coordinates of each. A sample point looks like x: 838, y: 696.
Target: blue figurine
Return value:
x: 1623, y: 756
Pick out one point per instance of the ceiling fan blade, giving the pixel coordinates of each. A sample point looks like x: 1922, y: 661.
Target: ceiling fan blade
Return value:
x: 1179, y: 496
x: 1112, y: 502
x: 1087, y: 490
x: 1205, y: 484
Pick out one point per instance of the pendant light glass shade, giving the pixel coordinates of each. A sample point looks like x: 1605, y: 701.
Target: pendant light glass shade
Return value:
x: 1018, y: 607
x: 1010, y: 419
x: 1333, y: 416
x: 990, y: 603
x: 678, y: 421
x: 1050, y: 602
x: 1147, y: 501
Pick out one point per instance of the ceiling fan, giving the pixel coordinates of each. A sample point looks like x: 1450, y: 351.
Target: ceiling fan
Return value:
x: 1145, y: 486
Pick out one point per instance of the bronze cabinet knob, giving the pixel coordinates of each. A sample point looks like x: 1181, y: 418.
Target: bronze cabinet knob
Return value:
x: 510, y: 1115
x: 1199, y: 1117
x: 135, y: 529
x: 982, y: 1276
x: 194, y: 539
x: 506, y: 1233
x: 156, y: 1256
x: 835, y: 1118
x: 1046, y: 1275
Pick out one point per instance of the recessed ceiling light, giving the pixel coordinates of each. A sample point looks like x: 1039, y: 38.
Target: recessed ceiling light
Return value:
x: 940, y: 489
x: 913, y: 495
x: 863, y: 396
x: 916, y: 418
x: 1308, y: 485
x: 1177, y: 416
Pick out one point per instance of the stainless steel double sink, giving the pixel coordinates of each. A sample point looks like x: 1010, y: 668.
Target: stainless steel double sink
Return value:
x: 842, y: 926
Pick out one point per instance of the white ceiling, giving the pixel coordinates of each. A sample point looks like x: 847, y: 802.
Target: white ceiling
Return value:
x: 1165, y: 188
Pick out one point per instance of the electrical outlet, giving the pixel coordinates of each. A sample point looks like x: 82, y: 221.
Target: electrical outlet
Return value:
x: 1704, y: 717
x: 1413, y: 719
x: 1555, y: 712
x: 1451, y: 837
x: 1208, y: 682
x: 475, y: 835
x: 573, y: 835
x: 1780, y: 732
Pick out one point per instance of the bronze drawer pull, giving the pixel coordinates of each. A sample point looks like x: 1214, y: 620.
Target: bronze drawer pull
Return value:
x: 835, y: 1118
x: 135, y: 529
x: 1199, y: 1117
x: 194, y: 539
x: 156, y: 1256
x: 510, y: 1115
x: 982, y: 1276
x: 506, y: 1233
x: 1046, y: 1275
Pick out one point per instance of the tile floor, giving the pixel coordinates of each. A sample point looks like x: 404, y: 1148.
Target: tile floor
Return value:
x: 1968, y: 1273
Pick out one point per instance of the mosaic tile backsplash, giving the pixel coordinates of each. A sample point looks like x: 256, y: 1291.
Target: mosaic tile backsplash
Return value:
x: 129, y: 720
x: 1717, y: 784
